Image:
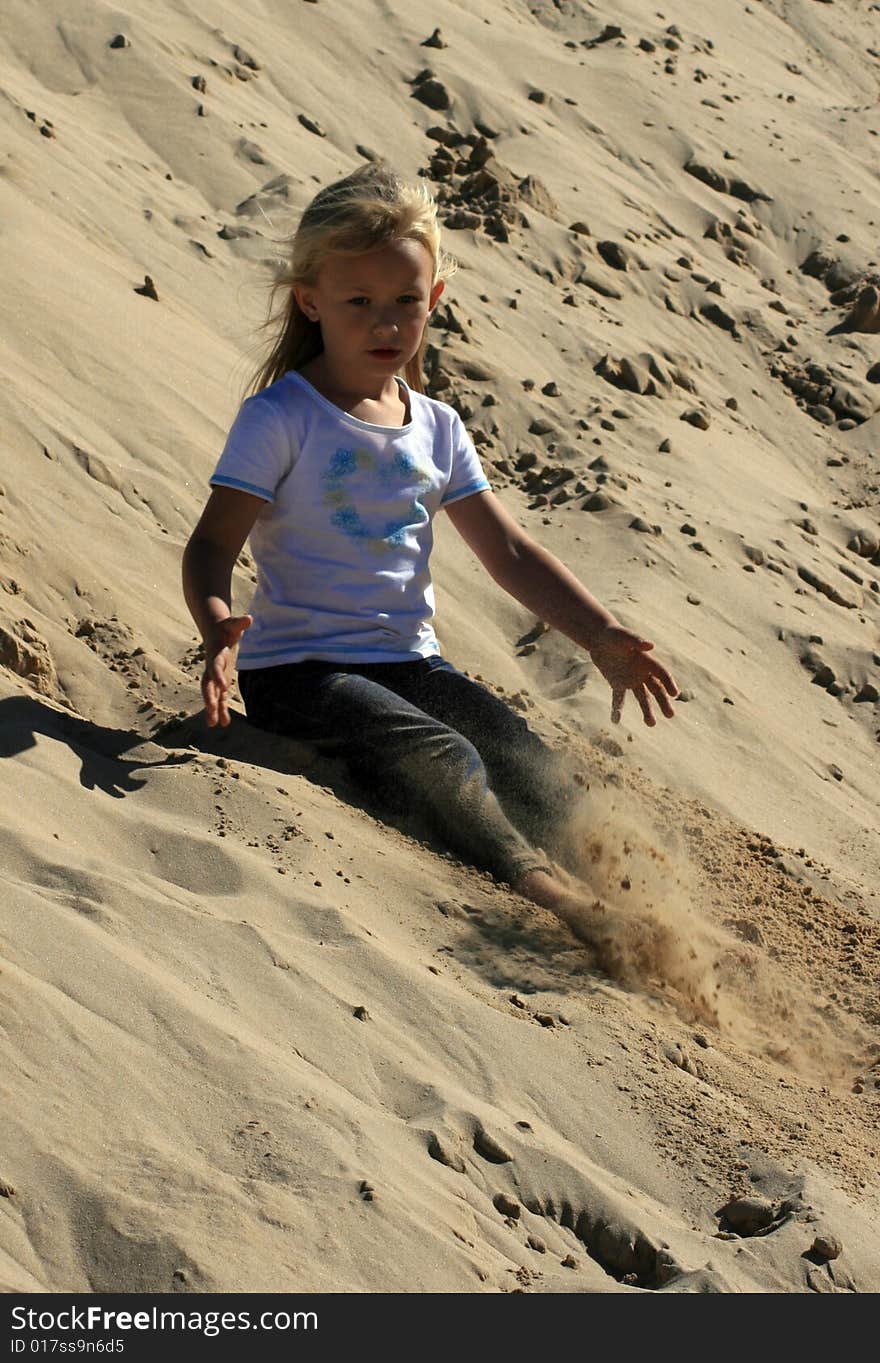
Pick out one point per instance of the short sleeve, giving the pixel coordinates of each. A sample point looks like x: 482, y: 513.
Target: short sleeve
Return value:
x: 258, y: 451
x: 466, y: 476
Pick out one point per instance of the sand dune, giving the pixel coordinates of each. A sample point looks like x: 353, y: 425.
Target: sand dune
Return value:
x: 256, y: 1038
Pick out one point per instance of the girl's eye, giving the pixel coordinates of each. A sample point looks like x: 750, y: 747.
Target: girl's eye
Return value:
x: 409, y: 298
x: 358, y: 301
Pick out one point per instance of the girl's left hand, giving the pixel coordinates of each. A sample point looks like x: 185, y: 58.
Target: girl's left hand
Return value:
x: 623, y: 659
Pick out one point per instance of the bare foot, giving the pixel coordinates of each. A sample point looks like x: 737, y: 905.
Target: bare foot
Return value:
x: 589, y: 919
x: 628, y: 948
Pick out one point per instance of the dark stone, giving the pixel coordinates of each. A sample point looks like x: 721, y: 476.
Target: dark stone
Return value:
x: 148, y: 289
x: 613, y: 254
x: 245, y: 58
x: 817, y: 264
x: 718, y: 317
x: 433, y: 93
x: 707, y: 176
x: 312, y: 125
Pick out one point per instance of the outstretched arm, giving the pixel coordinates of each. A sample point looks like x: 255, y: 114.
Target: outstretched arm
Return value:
x: 537, y: 579
x: 208, y: 561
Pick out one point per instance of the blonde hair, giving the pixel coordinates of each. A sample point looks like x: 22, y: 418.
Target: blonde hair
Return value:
x: 366, y: 210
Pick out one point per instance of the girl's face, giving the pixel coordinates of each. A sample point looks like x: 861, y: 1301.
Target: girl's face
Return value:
x: 372, y: 308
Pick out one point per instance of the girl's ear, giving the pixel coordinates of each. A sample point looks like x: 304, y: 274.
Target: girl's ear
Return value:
x: 435, y: 294
x: 305, y: 301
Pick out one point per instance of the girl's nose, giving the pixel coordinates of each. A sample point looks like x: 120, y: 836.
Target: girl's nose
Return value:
x: 386, y: 324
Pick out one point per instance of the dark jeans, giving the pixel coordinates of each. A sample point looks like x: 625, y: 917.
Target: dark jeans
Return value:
x: 423, y: 736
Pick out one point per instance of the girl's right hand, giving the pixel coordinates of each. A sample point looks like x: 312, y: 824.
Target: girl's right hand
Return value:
x: 217, y: 677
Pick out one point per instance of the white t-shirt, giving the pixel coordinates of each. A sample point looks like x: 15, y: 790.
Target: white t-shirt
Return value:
x: 343, y: 543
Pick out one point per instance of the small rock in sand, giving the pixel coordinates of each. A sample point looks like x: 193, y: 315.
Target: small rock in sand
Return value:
x: 436, y: 40
x: 747, y: 1215
x: 147, y: 289
x: 507, y: 1206
x: 245, y: 58
x: 864, y: 315
x: 433, y: 93
x: 614, y: 254
x: 694, y: 417
x: 312, y: 125
x: 827, y: 1246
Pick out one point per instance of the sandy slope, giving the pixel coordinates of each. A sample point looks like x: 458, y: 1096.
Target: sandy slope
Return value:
x: 190, y: 922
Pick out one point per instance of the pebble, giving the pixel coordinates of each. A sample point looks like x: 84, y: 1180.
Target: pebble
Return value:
x: 361, y: 1013
x: 507, y: 1206
x: 147, y: 289
x: 433, y: 93
x: 120, y: 41
x: 748, y: 1214
x: 312, y: 125
x: 436, y: 40
x: 864, y: 315
x: 245, y: 58
x: 695, y: 417
x: 865, y: 543
x: 665, y: 446
x: 827, y: 1246
x: 613, y: 254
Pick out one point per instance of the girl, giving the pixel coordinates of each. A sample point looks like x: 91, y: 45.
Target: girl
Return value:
x: 335, y: 467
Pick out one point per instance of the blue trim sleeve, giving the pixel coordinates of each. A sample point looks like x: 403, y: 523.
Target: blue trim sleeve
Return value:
x: 477, y: 485
x: 223, y: 480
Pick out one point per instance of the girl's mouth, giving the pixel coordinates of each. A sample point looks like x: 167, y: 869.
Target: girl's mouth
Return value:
x: 385, y: 352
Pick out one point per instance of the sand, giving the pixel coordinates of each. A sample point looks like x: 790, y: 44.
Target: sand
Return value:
x: 253, y: 1036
